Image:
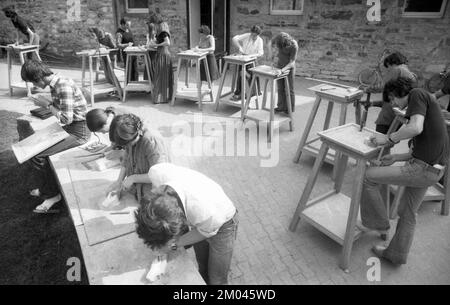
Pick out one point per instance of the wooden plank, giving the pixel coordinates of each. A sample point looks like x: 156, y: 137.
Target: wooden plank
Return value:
x: 262, y: 115
x: 313, y: 147
x: 337, y: 94
x: 191, y: 54
x: 239, y: 59
x: 268, y: 71
x: 193, y: 95
x: 353, y: 215
x: 138, y: 86
x: 434, y: 193
x: 307, y: 130
x: 309, y: 187
x: 330, y: 217
x: 349, y: 137
x: 38, y: 142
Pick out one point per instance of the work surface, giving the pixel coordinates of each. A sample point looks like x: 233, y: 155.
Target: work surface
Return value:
x: 112, y: 251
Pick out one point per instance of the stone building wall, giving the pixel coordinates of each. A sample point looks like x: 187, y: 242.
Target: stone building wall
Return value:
x: 65, y: 37
x: 336, y: 40
x: 49, y: 17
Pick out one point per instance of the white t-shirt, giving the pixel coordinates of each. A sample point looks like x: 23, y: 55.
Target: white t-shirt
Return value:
x: 206, y: 205
x: 249, y: 46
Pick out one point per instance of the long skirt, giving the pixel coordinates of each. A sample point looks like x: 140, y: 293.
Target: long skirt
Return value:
x: 164, y: 80
x: 152, y: 55
x: 212, y: 66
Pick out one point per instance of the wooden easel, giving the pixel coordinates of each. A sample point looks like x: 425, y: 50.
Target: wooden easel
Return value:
x: 97, y: 88
x: 22, y: 50
x: 129, y: 85
x: 343, y: 96
x: 333, y: 213
x: 188, y: 93
x: 269, y: 75
x: 240, y: 62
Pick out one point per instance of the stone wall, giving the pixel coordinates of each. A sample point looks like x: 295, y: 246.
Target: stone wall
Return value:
x: 175, y: 12
x: 65, y: 37
x: 336, y: 40
x: 49, y: 17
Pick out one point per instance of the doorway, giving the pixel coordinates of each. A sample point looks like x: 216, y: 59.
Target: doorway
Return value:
x: 213, y: 13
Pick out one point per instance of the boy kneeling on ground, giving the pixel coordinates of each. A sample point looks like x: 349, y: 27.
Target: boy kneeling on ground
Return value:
x: 185, y: 198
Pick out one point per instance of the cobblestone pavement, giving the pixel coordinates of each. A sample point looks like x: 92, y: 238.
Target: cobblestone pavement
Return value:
x: 266, y: 251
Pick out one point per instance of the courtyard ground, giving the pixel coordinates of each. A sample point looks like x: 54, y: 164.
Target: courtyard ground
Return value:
x: 35, y: 247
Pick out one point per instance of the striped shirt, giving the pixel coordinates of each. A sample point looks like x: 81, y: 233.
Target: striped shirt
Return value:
x: 68, y: 99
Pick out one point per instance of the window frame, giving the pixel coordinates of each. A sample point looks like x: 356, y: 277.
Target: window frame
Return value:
x: 286, y: 12
x: 439, y: 14
x: 135, y: 10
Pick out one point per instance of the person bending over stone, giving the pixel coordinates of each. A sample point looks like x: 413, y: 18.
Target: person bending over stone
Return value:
x: 143, y: 149
x: 184, y: 198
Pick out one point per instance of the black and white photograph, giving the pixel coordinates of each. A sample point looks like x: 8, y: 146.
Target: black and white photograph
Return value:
x: 254, y: 145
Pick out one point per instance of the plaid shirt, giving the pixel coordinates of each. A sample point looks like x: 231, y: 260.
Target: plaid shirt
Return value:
x: 68, y: 99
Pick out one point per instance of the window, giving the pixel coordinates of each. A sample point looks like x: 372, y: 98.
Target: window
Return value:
x: 136, y: 6
x: 286, y: 7
x: 424, y: 9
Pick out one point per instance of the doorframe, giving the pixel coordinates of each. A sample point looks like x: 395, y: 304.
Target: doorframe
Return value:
x: 227, y: 24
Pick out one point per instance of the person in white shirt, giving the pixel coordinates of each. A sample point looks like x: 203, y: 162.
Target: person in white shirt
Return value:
x: 183, y: 198
x: 248, y: 44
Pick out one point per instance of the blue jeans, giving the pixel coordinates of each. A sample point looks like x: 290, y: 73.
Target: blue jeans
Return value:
x: 214, y: 254
x: 416, y: 177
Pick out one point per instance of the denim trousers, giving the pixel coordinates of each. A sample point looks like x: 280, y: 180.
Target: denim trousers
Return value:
x: 416, y: 177
x: 78, y: 135
x: 214, y: 254
x: 282, y: 99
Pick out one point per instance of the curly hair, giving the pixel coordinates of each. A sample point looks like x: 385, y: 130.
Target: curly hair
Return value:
x: 160, y: 218
x: 256, y: 29
x: 204, y: 29
x: 283, y: 40
x: 128, y: 127
x: 399, y: 87
x: 34, y: 71
x: 396, y: 59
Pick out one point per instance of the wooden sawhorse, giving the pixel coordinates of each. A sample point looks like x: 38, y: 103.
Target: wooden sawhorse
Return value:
x: 195, y: 94
x: 129, y: 85
x: 97, y: 88
x: 333, y: 213
x: 240, y: 62
x: 269, y: 75
x: 334, y: 94
x: 22, y: 50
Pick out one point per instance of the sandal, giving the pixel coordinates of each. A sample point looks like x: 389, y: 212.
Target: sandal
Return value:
x: 41, y: 209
